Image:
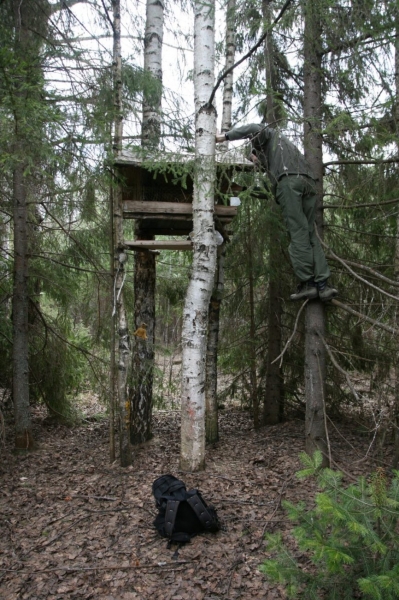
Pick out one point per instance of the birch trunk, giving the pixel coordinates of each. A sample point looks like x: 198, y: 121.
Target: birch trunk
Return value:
x: 144, y: 264
x: 195, y: 314
x: 272, y: 402
x: 230, y: 56
x: 211, y: 424
x: 315, y: 360
x: 211, y: 401
x: 151, y: 125
x: 119, y: 256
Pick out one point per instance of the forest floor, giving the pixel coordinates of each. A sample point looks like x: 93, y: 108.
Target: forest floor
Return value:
x: 72, y: 525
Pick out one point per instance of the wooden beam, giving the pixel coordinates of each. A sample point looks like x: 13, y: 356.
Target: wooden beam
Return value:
x: 159, y: 245
x: 170, y: 208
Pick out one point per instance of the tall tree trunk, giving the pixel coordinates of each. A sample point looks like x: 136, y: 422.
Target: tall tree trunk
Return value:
x: 23, y: 426
x: 211, y: 421
x: 27, y: 66
x: 272, y: 402
x: 315, y: 359
x: 395, y: 460
x: 143, y: 355
x: 211, y: 425
x: 195, y: 313
x: 144, y: 264
x: 252, y: 326
x: 120, y: 256
x: 230, y: 56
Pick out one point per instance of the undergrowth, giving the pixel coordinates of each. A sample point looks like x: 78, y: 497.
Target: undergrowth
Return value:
x: 350, y: 539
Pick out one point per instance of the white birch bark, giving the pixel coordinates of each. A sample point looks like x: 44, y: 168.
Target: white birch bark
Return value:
x: 151, y: 125
x: 211, y: 420
x: 195, y: 315
x: 230, y: 56
x: 119, y: 256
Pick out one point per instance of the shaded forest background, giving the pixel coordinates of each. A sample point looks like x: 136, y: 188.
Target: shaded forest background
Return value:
x: 57, y: 111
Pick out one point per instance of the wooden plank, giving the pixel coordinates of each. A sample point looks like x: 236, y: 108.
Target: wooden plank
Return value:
x: 172, y: 208
x: 159, y: 245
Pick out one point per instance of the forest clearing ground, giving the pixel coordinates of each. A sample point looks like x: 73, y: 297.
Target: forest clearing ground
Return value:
x: 72, y: 525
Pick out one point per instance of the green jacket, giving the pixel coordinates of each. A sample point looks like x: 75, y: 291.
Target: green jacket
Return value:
x: 274, y: 150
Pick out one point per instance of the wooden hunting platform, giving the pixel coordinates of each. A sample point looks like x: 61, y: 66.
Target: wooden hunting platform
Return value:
x: 160, y: 199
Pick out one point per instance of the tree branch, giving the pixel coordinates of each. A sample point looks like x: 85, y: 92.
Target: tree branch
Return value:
x: 248, y: 54
x: 291, y: 336
x: 368, y: 205
x: 352, y: 272
x: 364, y: 317
x: 338, y: 367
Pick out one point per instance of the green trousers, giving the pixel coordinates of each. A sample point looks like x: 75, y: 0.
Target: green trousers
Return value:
x: 296, y: 195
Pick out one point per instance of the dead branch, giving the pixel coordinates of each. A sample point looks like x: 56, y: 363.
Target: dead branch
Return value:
x: 324, y: 408
x: 338, y: 367
x: 365, y: 205
x: 167, y: 565
x: 372, y: 272
x: 291, y: 336
x: 352, y: 272
x: 364, y: 317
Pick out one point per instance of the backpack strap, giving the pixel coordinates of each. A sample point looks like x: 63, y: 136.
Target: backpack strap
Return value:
x: 201, y: 511
x: 170, y: 516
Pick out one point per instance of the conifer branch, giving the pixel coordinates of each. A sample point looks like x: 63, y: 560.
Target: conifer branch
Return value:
x: 364, y: 317
x: 248, y: 54
x: 352, y: 272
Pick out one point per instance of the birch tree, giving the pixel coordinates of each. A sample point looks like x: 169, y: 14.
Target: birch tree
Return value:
x: 195, y: 313
x: 119, y: 309
x: 212, y: 429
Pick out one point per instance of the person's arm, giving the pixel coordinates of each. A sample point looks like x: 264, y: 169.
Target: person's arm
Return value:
x: 239, y: 133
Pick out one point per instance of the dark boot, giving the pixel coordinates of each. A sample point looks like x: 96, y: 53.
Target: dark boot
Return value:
x: 307, y: 290
x: 326, y: 292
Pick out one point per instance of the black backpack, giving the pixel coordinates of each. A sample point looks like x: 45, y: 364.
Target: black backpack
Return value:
x: 182, y: 514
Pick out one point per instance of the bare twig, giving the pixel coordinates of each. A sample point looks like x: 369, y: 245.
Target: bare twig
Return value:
x: 291, y: 336
x: 167, y: 565
x: 248, y: 54
x: 352, y: 272
x: 338, y: 367
x: 352, y: 311
x: 365, y: 205
x: 373, y: 272
x: 324, y: 406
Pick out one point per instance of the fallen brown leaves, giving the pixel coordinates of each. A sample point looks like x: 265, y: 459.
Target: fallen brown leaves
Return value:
x: 74, y: 526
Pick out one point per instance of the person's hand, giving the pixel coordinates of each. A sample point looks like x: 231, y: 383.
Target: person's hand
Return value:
x: 220, y: 137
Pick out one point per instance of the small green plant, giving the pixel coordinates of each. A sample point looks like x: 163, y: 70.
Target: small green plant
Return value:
x: 350, y: 537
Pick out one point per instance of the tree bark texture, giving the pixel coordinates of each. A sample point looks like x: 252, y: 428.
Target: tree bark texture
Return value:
x: 315, y: 354
x: 195, y: 313
x: 23, y: 426
x: 272, y: 402
x: 143, y: 350
x: 153, y: 37
x: 395, y: 461
x: 123, y: 356
x: 211, y: 421
x: 144, y: 265
x: 230, y: 56
x: 26, y: 86
x: 211, y: 425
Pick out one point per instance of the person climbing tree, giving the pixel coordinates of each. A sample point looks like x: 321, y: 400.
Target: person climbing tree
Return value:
x: 293, y: 186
